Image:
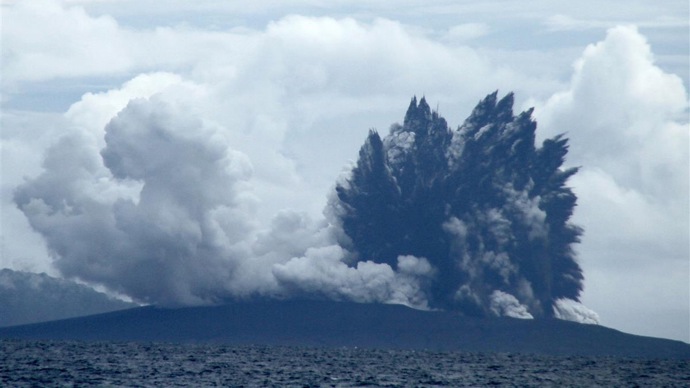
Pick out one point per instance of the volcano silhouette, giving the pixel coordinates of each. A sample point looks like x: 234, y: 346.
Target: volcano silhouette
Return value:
x: 337, y: 324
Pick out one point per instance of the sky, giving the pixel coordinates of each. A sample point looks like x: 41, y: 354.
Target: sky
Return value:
x: 258, y: 107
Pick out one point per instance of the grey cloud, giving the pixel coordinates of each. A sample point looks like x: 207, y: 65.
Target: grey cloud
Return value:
x: 571, y: 310
x: 503, y: 304
x: 188, y: 236
x: 166, y: 246
x: 322, y: 272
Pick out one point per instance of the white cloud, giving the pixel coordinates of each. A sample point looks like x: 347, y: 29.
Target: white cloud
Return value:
x: 628, y: 124
x: 505, y: 305
x: 42, y: 40
x: 465, y: 32
x: 571, y: 310
x: 94, y: 110
x: 322, y: 272
x: 621, y: 109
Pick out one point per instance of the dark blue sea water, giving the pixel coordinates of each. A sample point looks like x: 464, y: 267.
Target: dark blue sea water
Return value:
x: 51, y: 363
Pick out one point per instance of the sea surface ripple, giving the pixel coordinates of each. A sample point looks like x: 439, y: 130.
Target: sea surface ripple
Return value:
x: 71, y: 363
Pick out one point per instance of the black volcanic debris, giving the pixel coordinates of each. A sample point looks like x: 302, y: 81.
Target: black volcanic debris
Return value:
x: 485, y: 206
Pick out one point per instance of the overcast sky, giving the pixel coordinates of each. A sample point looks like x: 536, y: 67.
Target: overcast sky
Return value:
x: 293, y: 89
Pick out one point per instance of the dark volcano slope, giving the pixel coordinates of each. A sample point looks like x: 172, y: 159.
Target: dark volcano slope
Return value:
x: 336, y: 324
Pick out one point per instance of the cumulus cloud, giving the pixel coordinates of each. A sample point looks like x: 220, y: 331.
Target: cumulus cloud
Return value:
x: 42, y: 42
x: 47, y: 39
x: 624, y: 114
x: 628, y: 124
x: 94, y: 110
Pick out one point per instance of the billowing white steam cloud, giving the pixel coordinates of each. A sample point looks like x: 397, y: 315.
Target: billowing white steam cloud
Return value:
x: 504, y: 304
x: 322, y: 272
x: 166, y: 215
x: 571, y: 310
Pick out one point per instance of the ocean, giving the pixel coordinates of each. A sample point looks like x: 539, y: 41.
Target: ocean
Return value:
x: 28, y: 363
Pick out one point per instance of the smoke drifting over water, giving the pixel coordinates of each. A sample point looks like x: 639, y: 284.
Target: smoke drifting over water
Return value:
x: 474, y: 220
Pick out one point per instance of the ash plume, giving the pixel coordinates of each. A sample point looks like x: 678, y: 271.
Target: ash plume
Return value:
x: 487, y: 208
x: 163, y: 210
